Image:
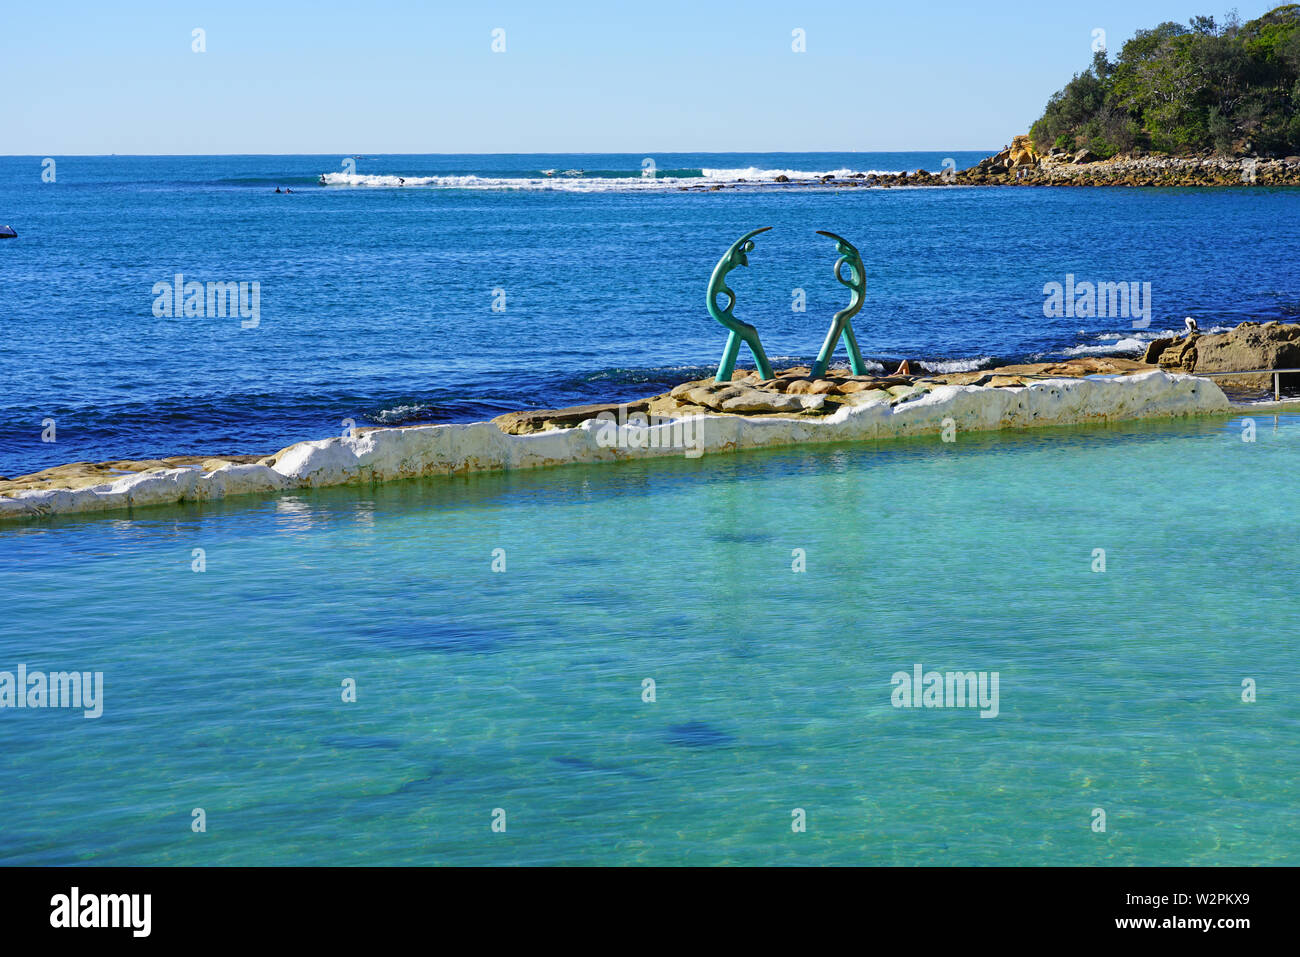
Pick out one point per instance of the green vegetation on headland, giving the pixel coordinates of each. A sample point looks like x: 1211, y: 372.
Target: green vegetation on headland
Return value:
x: 1228, y: 88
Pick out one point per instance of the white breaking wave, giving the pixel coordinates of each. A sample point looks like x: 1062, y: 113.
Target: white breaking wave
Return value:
x: 358, y: 179
x: 590, y: 184
x: 401, y: 413
x: 1107, y: 348
x: 754, y: 174
x: 1110, y: 343
x: 956, y: 365
x: 1150, y: 335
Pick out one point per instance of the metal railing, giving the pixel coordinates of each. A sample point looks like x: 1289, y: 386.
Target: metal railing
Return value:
x: 1276, y: 373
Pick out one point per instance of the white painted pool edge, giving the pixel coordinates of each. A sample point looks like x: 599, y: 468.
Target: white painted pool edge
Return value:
x: 383, y: 455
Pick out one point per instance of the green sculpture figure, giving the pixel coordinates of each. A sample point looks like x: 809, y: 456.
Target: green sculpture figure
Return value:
x: 840, y: 325
x: 739, y: 331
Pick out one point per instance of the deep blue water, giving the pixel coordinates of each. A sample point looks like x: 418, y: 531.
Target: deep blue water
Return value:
x: 376, y: 301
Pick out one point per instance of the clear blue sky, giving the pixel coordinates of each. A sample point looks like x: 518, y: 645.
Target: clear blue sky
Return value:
x: 399, y: 76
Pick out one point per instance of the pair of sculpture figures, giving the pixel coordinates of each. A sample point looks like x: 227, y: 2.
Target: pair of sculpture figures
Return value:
x: 740, y: 331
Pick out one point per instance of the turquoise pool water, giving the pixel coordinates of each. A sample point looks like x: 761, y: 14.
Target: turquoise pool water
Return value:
x: 522, y: 689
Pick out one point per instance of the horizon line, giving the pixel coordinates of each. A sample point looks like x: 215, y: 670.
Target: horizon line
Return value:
x: 954, y: 149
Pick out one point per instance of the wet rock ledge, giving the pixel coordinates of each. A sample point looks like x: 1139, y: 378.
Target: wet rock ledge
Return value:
x: 794, y: 393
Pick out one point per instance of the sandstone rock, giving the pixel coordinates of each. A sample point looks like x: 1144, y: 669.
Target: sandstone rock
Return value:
x: 1251, y: 345
x: 138, y: 465
x: 712, y: 398
x: 741, y: 397
x: 1180, y: 355
x: 1022, y: 153
x: 885, y: 381
x: 821, y: 387
x: 799, y: 387
x: 867, y: 397
x: 83, y: 475
x: 540, y: 420
x: 754, y: 400
x: 1002, y: 381
x: 1085, y: 156
x: 901, y: 392
x: 1067, y: 368
x: 1155, y: 348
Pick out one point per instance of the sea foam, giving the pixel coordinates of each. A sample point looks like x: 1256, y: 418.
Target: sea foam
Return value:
x: 591, y: 183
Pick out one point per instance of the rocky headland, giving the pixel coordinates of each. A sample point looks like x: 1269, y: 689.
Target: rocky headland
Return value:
x: 1020, y: 164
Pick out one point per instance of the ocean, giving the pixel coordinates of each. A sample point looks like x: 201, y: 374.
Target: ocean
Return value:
x: 484, y: 285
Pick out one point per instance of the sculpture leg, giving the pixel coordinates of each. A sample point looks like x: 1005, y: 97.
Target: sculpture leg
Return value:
x: 760, y: 357
x: 828, y: 349
x: 729, y: 353
x: 855, y: 354
x: 732, y: 350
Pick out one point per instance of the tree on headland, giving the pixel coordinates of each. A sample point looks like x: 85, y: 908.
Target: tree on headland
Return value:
x: 1226, y: 87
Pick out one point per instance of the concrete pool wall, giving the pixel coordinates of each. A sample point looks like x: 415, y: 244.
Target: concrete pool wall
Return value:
x: 390, y: 454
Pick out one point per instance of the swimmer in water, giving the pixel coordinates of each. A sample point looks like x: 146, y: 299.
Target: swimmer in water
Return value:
x: 401, y: 181
x: 277, y: 189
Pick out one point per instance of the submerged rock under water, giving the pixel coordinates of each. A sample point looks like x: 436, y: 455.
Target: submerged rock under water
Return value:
x: 697, y: 734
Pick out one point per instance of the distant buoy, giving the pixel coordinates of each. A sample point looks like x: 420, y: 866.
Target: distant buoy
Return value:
x: 8, y: 232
